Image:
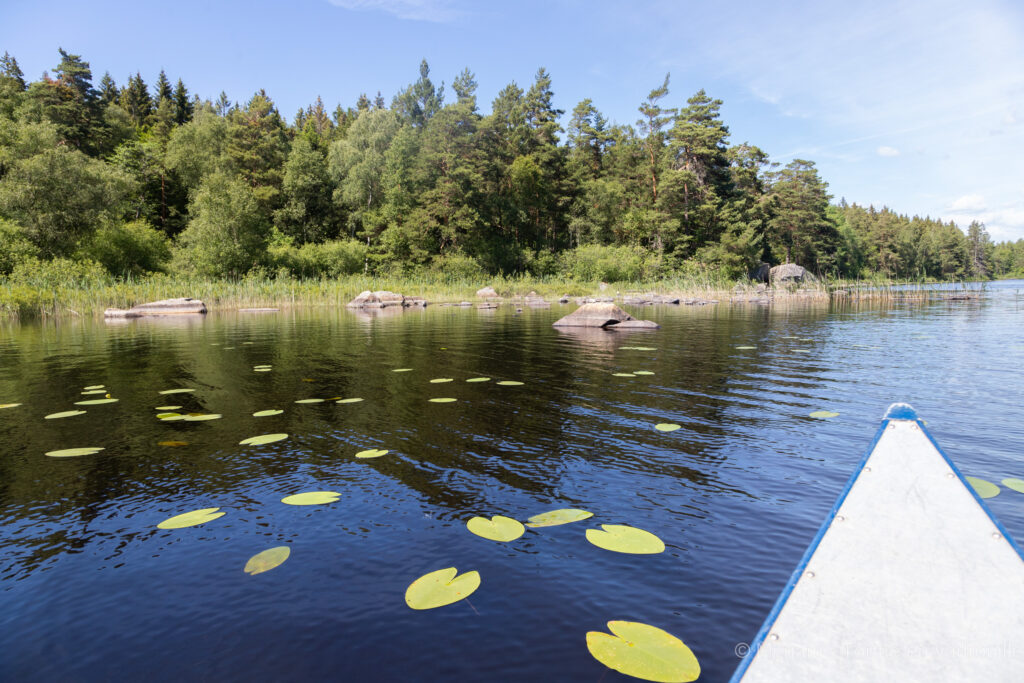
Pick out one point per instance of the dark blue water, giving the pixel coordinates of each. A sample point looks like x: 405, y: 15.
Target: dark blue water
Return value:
x: 91, y: 589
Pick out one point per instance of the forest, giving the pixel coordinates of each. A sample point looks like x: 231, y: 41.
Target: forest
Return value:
x: 125, y: 180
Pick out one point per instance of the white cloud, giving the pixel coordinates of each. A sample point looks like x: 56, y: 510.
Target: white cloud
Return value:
x: 439, y: 11
x: 969, y: 203
x: 886, y: 151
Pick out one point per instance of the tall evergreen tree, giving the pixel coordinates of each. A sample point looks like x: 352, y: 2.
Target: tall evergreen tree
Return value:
x: 183, y: 106
x: 162, y: 90
x: 136, y: 101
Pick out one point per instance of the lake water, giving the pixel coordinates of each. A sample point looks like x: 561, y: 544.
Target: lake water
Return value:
x: 91, y: 589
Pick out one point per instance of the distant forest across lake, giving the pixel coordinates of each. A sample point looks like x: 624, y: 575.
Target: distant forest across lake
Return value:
x: 128, y: 179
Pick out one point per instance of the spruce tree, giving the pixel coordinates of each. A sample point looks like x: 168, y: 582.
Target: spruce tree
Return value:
x: 183, y: 106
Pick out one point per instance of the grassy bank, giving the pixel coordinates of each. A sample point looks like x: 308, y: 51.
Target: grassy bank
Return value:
x: 86, y: 297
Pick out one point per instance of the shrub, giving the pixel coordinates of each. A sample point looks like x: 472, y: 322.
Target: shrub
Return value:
x: 15, y: 246
x: 610, y: 264
x: 128, y: 249
x: 329, y: 259
x: 59, y: 273
x: 458, y: 267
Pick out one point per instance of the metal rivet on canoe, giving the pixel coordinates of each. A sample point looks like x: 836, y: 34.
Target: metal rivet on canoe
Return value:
x: 949, y: 475
x: 810, y: 575
x: 773, y: 636
x: 867, y: 469
x: 840, y: 518
x: 996, y: 535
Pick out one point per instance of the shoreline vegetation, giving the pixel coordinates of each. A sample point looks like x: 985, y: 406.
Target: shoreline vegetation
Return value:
x: 112, y: 195
x: 21, y: 302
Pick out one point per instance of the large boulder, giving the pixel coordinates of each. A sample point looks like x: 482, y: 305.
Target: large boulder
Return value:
x: 602, y: 314
x: 789, y: 272
x: 183, y: 306
x: 380, y: 299
x: 761, y: 273
x: 487, y: 293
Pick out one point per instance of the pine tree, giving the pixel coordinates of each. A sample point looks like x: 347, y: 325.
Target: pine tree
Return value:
x: 162, y: 90
x: 135, y: 100
x: 109, y: 92
x: 183, y: 107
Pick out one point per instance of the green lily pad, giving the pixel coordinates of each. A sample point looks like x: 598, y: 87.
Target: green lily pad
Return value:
x: 267, y: 560
x: 623, y: 374
x: 261, y: 369
x: 94, y: 391
x: 510, y: 383
x: 984, y: 488
x: 178, y: 391
x: 1014, y: 484
x: 642, y: 372
x: 497, y: 528
x: 74, y: 452
x: 96, y: 401
x: 310, y: 400
x: 372, y: 453
x: 262, y: 439
x: 349, y: 400
x: 443, y: 400
x: 441, y: 380
x: 92, y: 387
x: 558, y: 517
x: 170, y: 416
x: 440, y: 588
x: 479, y: 379
x: 193, y: 518
x: 823, y: 414
x: 625, y: 539
x: 644, y: 651
x: 66, y: 413
x: 312, y: 498
x: 202, y: 418
x: 667, y: 427
x: 402, y: 370
x: 166, y: 408
x: 9, y: 405
x: 266, y: 413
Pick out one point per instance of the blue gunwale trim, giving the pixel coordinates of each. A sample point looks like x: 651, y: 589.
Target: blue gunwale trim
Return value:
x: 897, y: 411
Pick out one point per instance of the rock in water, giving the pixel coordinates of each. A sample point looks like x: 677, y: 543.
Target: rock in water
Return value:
x: 383, y: 299
x: 603, y: 314
x: 487, y: 293
x: 183, y: 306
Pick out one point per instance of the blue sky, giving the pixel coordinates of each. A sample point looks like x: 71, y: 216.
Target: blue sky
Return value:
x: 913, y: 104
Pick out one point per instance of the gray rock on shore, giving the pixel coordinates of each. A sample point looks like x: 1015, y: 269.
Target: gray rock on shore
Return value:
x: 487, y: 293
x: 182, y: 306
x: 790, y: 272
x: 384, y: 299
x: 604, y: 315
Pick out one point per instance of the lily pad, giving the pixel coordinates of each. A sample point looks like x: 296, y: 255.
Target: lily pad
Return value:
x: 443, y: 400
x: 558, y: 517
x: 497, y: 528
x: 402, y: 370
x: 171, y: 416
x: 193, y: 518
x: 372, y: 453
x: 642, y: 372
x: 261, y: 369
x: 440, y: 588
x: 96, y: 401
x: 266, y: 413
x: 94, y: 391
x: 479, y: 379
x: 625, y: 539
x: 74, y: 452
x: 202, y: 418
x: 667, y: 427
x: 823, y: 414
x: 66, y: 413
x: 349, y: 400
x: 262, y: 439
x: 1014, y: 484
x: 623, y: 374
x: 644, y: 651
x: 510, y: 383
x: 267, y: 560
x: 312, y: 498
x: 984, y: 488
x: 93, y: 386
x: 310, y: 400
x: 166, y: 408
x: 172, y: 444
x: 178, y: 391
x: 441, y: 380
x: 9, y: 405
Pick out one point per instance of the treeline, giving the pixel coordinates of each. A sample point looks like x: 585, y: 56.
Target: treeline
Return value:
x: 136, y: 178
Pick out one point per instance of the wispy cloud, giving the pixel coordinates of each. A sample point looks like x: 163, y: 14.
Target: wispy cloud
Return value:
x: 438, y: 11
x: 1003, y: 222
x: 886, y: 151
